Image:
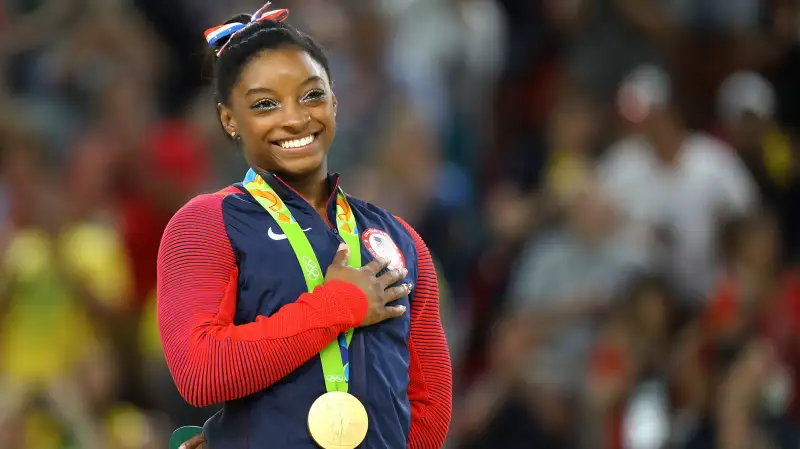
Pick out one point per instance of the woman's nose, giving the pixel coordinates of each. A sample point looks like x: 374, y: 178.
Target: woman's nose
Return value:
x: 296, y: 119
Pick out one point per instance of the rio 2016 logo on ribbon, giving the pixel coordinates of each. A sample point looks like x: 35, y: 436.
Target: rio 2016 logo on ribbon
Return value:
x: 345, y: 214
x: 274, y: 203
x: 311, y: 269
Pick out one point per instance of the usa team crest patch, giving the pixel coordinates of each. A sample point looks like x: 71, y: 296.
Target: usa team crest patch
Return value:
x: 380, y: 244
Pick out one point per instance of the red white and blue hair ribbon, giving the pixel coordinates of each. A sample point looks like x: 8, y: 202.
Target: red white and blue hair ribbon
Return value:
x: 214, y: 34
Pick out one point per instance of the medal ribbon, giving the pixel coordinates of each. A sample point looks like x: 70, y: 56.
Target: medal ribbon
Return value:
x: 335, y: 357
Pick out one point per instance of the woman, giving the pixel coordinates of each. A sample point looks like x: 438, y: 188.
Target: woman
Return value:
x: 246, y: 314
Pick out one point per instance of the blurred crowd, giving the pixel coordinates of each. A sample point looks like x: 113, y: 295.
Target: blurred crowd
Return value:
x: 607, y: 187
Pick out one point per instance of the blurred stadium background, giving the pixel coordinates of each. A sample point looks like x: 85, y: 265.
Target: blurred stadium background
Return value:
x: 608, y: 187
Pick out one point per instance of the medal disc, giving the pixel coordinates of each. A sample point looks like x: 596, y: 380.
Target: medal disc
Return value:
x: 337, y: 420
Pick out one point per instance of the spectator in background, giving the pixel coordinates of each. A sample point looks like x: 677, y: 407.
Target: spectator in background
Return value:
x: 556, y: 164
x: 124, y: 426
x: 574, y: 129
x: 720, y: 36
x: 66, y: 288
x: 141, y: 164
x: 746, y: 107
x: 674, y: 186
x: 542, y: 179
x: 627, y: 403
x: 750, y: 342
x: 560, y: 288
x: 168, y: 164
x: 45, y: 331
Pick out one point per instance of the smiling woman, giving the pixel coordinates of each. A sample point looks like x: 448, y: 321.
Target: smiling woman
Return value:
x: 279, y: 101
x: 292, y: 121
x: 301, y: 356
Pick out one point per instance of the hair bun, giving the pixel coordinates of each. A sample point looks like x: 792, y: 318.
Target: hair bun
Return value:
x: 239, y: 18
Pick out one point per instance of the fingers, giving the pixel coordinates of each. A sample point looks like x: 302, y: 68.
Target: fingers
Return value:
x: 391, y: 277
x: 193, y: 443
x: 395, y: 293
x: 342, y: 255
x: 375, y: 266
x: 393, y: 311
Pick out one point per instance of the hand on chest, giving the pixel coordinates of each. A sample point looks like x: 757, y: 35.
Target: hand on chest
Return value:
x: 271, y: 269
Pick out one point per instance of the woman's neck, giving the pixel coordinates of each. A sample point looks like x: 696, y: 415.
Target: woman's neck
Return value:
x: 313, y: 189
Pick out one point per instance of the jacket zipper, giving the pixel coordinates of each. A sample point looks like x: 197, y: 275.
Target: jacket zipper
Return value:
x: 354, y: 342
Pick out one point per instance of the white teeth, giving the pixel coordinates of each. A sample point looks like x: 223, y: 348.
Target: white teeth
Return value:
x: 296, y: 143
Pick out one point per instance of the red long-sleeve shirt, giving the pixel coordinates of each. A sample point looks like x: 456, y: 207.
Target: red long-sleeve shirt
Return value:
x: 213, y: 360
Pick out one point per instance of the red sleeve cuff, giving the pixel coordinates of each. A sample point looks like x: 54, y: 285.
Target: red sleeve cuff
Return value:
x: 345, y: 302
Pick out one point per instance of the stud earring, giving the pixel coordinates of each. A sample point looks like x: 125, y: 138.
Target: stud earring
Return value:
x: 235, y: 136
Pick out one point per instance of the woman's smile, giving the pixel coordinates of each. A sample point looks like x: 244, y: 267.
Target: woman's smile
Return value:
x: 300, y: 143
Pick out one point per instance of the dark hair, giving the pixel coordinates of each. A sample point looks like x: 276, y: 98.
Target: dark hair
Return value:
x: 254, y: 38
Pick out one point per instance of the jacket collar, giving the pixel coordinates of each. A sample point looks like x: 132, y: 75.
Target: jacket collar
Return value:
x: 291, y: 196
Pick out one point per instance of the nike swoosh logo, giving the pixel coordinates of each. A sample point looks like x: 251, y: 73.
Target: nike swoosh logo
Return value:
x: 275, y: 236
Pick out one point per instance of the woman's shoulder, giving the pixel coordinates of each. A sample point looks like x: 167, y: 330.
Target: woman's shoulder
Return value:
x: 204, y: 208
x: 199, y: 224
x: 206, y: 203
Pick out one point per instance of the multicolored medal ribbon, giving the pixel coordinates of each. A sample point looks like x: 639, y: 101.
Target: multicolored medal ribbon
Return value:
x: 337, y: 419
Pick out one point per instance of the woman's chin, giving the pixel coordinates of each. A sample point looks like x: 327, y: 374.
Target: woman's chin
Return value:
x: 301, y: 164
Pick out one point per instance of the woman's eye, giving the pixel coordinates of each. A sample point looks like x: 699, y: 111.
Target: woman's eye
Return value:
x: 265, y: 105
x: 315, y: 95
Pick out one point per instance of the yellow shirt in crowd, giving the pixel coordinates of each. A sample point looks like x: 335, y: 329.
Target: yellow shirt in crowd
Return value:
x: 46, y: 330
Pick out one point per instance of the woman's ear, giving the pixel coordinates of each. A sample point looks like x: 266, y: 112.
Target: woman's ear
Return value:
x: 227, y: 120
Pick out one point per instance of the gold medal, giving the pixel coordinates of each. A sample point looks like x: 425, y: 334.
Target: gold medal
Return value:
x: 338, y: 420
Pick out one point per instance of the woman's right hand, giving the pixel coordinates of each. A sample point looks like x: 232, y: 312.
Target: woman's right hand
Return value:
x: 377, y: 289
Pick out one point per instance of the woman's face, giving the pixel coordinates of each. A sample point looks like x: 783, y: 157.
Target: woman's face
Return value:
x: 283, y: 109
